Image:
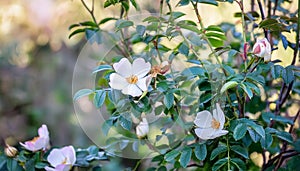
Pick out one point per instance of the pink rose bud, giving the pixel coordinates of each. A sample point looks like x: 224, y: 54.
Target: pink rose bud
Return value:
x: 262, y: 48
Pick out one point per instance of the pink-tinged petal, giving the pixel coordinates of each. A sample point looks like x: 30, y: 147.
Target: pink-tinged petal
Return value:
x: 63, y: 167
x: 142, y: 83
x: 69, y: 153
x: 40, y: 143
x: 256, y: 49
x: 43, y: 131
x: 47, y: 168
x: 117, y: 82
x: 28, y: 145
x: 203, y: 119
x: 123, y: 67
x: 132, y: 90
x: 56, y: 157
x: 218, y: 133
x: 140, y: 67
x: 218, y: 114
x: 204, y: 133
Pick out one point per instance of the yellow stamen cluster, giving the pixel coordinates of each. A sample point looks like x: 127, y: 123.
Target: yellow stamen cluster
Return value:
x: 215, y: 124
x: 132, y: 79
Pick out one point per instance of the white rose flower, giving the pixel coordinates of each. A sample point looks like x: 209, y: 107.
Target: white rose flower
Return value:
x: 142, y: 128
x: 262, y: 48
x: 61, y: 159
x: 131, y: 78
x: 40, y: 142
x: 210, y: 126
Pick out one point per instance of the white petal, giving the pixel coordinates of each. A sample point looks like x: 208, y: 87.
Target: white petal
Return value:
x: 43, y: 131
x: 56, y: 157
x: 63, y: 167
x: 142, y: 83
x: 218, y: 114
x: 69, y: 153
x: 204, y: 133
x: 28, y: 145
x: 117, y: 82
x: 267, y: 57
x: 140, y: 68
x: 133, y: 90
x: 203, y: 119
x: 123, y: 67
x: 47, y: 168
x: 218, y: 133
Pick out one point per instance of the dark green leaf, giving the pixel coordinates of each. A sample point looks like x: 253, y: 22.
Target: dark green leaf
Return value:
x: 12, y: 165
x: 240, y: 150
x: 201, y: 151
x: 254, y: 136
x: 185, y: 157
x: 125, y: 121
x: 217, y: 151
x: 267, y: 141
x: 211, y: 2
x: 99, y: 98
x: 240, y: 164
x: 247, y: 90
x: 29, y: 165
x: 140, y: 29
x: 81, y: 93
x: 216, y: 42
x: 76, y: 32
x: 106, y: 20
x: 102, y: 68
x: 228, y: 85
x: 284, y: 136
x: 239, y: 131
x: 219, y: 164
x: 120, y: 24
x: 288, y: 75
x: 170, y: 156
x: 134, y: 4
x: 169, y: 100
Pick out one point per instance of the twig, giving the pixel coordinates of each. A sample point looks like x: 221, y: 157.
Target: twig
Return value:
x: 262, y: 16
x: 91, y: 11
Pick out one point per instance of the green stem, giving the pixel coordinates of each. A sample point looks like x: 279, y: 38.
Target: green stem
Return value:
x: 228, y: 153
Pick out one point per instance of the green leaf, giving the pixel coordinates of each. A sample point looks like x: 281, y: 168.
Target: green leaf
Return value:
x: 140, y: 29
x: 170, y: 156
x: 217, y: 151
x: 194, y: 71
x: 242, y: 151
x: 284, y: 136
x: 81, y: 93
x: 276, y: 71
x: 125, y: 121
x: 268, y: 117
x: 240, y: 164
x: 239, y: 131
x: 177, y: 14
x: 120, y: 24
x: 93, y: 35
x: 12, y: 165
x: 267, y: 141
x: 228, y: 85
x: 267, y: 22
x: 134, y: 4
x: 185, y: 157
x: 89, y: 23
x: 201, y: 151
x: 40, y: 165
x: 106, y: 126
x: 102, y: 68
x: 76, y: 32
x: 169, y: 100
x: 183, y: 49
x: 29, y: 165
x: 247, y: 90
x: 99, y: 98
x: 215, y: 42
x: 210, y: 2
x: 288, y: 75
x: 254, y: 136
x: 219, y: 164
x: 105, y: 20
x: 189, y: 27
x: 151, y: 19
x: 162, y: 168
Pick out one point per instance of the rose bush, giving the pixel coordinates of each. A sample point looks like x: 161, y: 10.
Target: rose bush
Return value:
x: 235, y: 108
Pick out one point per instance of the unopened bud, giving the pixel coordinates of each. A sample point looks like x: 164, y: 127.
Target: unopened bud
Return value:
x: 10, y: 151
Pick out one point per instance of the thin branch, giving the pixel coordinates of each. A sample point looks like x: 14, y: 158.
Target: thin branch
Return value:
x: 262, y: 15
x: 91, y: 11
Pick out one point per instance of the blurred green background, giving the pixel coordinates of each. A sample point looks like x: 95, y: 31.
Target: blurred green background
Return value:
x: 37, y: 61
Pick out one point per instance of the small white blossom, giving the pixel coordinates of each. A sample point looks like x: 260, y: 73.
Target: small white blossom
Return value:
x: 262, y: 48
x: 142, y: 128
x: 61, y: 159
x: 40, y: 142
x: 131, y: 78
x: 210, y: 126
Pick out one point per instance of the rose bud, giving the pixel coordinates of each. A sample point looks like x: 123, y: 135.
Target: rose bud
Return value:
x: 142, y: 129
x: 262, y: 48
x: 10, y: 151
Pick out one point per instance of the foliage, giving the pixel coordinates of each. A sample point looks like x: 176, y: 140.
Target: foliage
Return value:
x: 231, y: 75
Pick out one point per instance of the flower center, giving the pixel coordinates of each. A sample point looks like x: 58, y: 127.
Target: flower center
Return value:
x: 34, y: 139
x: 65, y: 161
x: 132, y: 79
x: 215, y: 124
